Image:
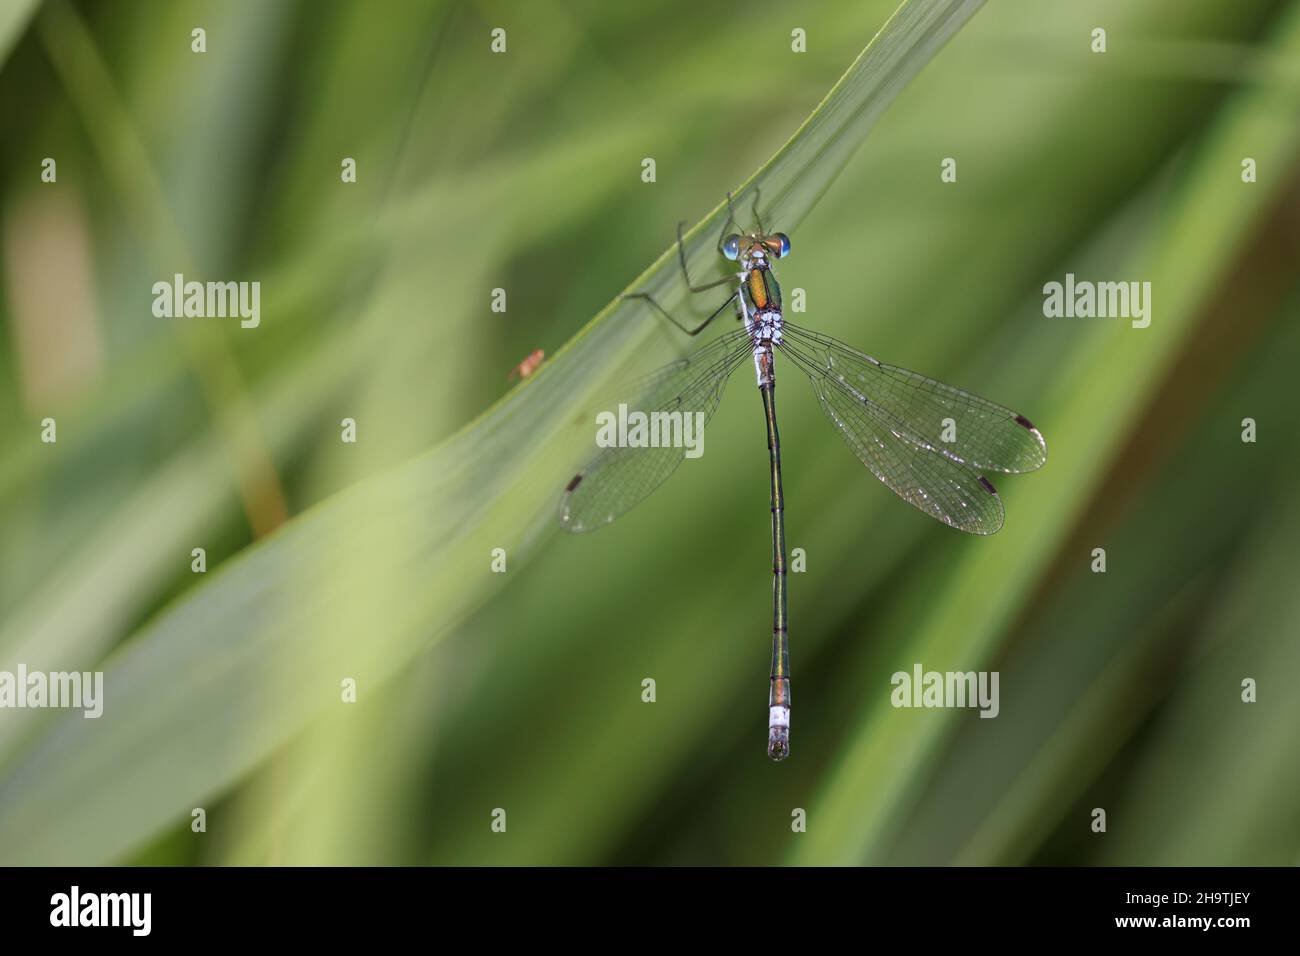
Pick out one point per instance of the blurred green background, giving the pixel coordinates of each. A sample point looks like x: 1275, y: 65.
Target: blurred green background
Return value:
x: 522, y: 690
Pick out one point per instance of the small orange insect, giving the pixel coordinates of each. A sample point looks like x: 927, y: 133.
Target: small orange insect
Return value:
x: 527, y: 367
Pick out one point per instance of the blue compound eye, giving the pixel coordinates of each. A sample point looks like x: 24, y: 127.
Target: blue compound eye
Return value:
x: 731, y: 247
x: 785, y: 244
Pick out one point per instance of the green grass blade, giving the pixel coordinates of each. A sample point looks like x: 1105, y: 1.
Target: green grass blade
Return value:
x: 866, y: 798
x: 357, y: 586
x: 14, y: 17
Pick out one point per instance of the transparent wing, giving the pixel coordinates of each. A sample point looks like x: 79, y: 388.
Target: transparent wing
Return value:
x: 941, y: 486
x: 933, y: 416
x: 618, y: 478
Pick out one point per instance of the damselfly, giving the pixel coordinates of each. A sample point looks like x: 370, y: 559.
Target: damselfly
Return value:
x: 929, y: 443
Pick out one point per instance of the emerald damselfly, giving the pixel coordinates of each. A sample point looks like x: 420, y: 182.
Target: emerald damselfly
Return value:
x: 929, y: 443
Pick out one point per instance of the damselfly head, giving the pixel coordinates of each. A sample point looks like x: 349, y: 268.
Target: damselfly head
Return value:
x: 756, y: 246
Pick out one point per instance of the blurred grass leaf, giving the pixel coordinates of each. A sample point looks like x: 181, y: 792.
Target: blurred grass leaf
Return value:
x: 867, y: 796
x: 14, y: 16
x: 355, y: 586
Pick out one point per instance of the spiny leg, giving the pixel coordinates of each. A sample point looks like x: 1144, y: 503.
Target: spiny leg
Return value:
x: 731, y: 221
x: 686, y: 275
x: 691, y: 286
x: 681, y: 258
x: 757, y: 218
x: 694, y: 289
x: 669, y: 316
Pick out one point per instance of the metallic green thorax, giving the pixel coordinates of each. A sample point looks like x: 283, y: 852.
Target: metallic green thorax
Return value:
x: 762, y: 292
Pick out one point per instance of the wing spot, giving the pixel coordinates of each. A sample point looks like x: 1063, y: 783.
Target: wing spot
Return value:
x: 574, y: 483
x: 988, y: 485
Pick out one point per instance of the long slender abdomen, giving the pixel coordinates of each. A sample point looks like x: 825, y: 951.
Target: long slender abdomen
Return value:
x: 778, y: 725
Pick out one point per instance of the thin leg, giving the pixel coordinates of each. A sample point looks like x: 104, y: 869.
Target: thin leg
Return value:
x: 758, y: 219
x: 731, y: 221
x: 681, y: 258
x: 695, y: 289
x: 669, y: 316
